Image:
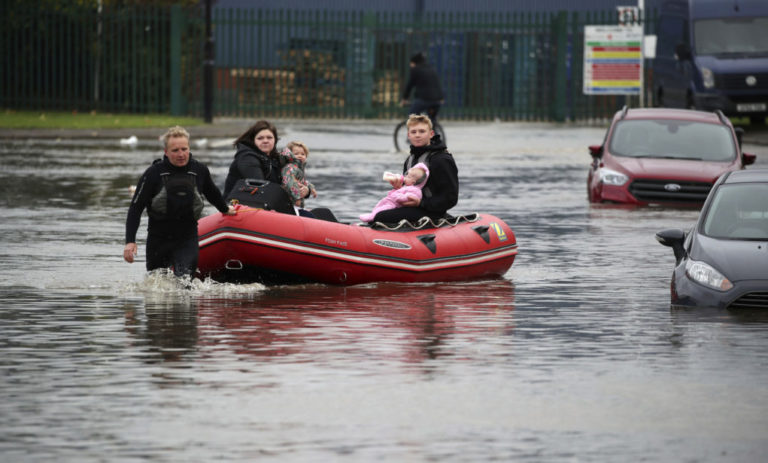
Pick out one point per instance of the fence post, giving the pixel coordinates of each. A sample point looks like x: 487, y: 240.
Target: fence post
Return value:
x: 369, y: 29
x: 208, y: 67
x: 561, y: 32
x: 175, y: 60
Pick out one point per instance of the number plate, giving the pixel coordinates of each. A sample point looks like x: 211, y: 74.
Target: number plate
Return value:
x: 750, y: 107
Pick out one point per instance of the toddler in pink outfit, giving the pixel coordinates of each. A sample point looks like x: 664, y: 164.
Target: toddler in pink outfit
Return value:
x: 413, y: 182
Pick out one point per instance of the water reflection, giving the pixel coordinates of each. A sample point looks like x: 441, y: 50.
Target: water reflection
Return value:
x: 413, y: 321
x: 169, y: 327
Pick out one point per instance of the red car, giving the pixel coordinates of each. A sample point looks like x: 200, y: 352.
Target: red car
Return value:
x: 663, y: 156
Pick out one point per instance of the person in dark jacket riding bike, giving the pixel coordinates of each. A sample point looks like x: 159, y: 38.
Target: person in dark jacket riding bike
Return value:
x: 427, y: 93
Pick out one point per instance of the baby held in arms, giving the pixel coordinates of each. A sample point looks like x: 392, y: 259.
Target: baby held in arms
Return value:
x: 412, y: 183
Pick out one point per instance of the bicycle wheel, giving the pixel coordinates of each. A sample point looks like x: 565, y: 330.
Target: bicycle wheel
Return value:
x: 401, y: 137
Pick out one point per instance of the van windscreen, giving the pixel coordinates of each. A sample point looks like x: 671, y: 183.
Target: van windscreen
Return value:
x: 731, y: 36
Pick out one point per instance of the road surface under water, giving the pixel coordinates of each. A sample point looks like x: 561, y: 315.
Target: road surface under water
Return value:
x: 574, y: 355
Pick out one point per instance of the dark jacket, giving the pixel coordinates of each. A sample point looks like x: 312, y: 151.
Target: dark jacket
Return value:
x: 423, y: 78
x: 150, y: 185
x: 250, y: 162
x: 441, y: 191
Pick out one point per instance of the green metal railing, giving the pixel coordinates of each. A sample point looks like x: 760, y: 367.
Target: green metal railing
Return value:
x: 280, y: 63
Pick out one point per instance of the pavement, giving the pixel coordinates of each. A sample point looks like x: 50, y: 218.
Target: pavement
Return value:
x: 233, y: 128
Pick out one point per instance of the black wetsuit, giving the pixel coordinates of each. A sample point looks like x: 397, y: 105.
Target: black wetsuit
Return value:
x: 441, y: 191
x: 171, y: 236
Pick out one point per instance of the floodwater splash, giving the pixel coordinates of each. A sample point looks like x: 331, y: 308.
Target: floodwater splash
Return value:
x: 163, y: 281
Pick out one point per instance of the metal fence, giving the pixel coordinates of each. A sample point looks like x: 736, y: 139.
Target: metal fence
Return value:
x: 281, y: 63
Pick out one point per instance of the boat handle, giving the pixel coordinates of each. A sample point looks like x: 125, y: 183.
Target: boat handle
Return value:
x: 482, y: 230
x: 233, y: 264
x: 429, y: 242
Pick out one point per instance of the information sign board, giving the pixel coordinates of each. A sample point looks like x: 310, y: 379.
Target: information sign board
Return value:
x: 613, y: 60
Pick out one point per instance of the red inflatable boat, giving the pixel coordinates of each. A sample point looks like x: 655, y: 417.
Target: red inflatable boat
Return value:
x: 258, y: 245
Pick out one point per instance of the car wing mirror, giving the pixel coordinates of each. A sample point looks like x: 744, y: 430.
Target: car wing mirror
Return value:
x: 748, y: 158
x: 596, y: 151
x: 673, y: 238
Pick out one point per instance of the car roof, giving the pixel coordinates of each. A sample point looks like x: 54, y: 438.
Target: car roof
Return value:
x: 673, y: 114
x: 747, y: 176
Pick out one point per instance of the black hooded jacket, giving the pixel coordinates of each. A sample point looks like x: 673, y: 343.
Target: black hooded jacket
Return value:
x: 250, y: 162
x: 423, y: 78
x: 441, y: 191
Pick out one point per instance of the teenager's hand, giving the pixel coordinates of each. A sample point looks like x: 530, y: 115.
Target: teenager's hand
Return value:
x: 412, y: 201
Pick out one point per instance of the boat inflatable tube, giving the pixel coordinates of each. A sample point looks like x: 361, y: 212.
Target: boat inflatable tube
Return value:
x: 258, y: 245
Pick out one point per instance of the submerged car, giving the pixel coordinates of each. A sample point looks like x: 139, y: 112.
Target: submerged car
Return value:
x: 722, y: 261
x: 663, y: 156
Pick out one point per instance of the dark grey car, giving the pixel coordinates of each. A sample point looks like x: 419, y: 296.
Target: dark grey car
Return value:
x: 723, y: 260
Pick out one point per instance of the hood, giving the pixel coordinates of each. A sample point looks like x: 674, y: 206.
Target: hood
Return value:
x: 245, y: 149
x: 287, y: 157
x: 678, y: 169
x: 740, y: 63
x: 421, y: 165
x: 736, y: 259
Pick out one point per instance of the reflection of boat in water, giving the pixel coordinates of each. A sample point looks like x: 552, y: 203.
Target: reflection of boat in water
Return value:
x: 413, y: 321
x: 266, y: 246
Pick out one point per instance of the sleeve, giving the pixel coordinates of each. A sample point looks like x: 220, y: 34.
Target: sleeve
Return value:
x: 443, y: 183
x: 212, y: 192
x: 141, y: 198
x: 405, y: 193
x: 409, y: 85
x: 290, y: 184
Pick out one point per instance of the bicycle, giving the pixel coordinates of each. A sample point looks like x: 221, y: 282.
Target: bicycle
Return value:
x: 401, y: 136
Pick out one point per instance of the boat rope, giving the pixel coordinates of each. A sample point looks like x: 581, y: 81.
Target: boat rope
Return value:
x: 426, y: 222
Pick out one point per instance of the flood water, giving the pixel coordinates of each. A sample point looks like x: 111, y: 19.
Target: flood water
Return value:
x: 573, y: 356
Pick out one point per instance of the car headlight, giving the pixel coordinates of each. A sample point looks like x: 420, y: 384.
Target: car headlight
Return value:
x: 707, y: 77
x: 704, y: 274
x: 611, y: 177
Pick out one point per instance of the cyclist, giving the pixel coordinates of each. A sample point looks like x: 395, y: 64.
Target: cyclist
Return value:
x: 427, y: 93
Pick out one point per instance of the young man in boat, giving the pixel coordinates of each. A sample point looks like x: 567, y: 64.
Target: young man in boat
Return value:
x: 170, y: 189
x: 441, y: 192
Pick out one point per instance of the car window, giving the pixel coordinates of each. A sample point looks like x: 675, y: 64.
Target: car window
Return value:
x: 731, y: 35
x: 673, y: 139
x: 738, y: 211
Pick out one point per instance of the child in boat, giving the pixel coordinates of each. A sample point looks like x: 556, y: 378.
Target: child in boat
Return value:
x: 293, y: 160
x: 413, y: 182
